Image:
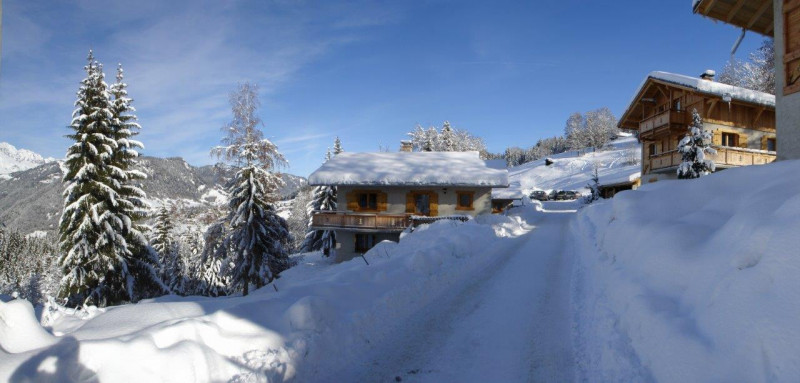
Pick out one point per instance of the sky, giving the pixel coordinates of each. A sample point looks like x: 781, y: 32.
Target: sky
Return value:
x: 368, y: 72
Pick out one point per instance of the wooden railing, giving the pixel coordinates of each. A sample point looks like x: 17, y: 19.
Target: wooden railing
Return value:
x: 661, y: 119
x: 363, y: 221
x: 726, y: 156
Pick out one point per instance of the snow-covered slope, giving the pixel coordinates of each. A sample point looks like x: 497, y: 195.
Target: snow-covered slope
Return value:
x: 14, y: 160
x: 693, y: 280
x: 320, y: 321
x: 574, y: 170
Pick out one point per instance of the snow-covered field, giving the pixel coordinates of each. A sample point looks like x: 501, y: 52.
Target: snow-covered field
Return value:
x: 692, y: 280
x: 573, y: 170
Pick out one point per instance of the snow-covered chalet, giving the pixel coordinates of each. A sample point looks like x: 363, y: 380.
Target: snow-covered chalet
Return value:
x: 741, y: 120
x: 381, y: 194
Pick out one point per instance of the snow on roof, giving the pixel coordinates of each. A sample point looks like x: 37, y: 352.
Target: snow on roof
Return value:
x: 410, y: 168
x: 709, y: 87
x: 513, y: 191
x: 619, y: 178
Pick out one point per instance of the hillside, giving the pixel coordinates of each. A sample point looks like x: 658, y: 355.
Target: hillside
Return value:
x: 573, y: 170
x: 30, y: 200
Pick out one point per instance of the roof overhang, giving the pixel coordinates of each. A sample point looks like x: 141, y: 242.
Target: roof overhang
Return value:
x: 753, y: 15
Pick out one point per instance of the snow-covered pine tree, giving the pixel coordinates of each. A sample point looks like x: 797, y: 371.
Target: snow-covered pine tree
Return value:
x: 173, y: 269
x: 693, y: 148
x: 337, y: 146
x: 97, y: 261
x: 131, y: 208
x: 257, y: 240
x: 323, y: 199
x: 594, y: 186
x: 447, y: 138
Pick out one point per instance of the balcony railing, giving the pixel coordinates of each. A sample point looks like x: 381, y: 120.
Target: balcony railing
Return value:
x: 360, y: 221
x: 726, y: 156
x: 664, y: 118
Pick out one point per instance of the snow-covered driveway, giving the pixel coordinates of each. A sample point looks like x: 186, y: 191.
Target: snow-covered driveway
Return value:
x: 511, y: 323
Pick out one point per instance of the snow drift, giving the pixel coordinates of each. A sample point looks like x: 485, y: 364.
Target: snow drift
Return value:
x: 692, y: 280
x: 323, y: 318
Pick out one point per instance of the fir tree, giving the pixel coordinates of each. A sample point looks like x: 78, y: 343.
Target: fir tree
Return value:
x: 447, y: 138
x: 100, y: 266
x: 337, y: 146
x: 323, y: 199
x: 257, y: 238
x: 173, y: 269
x: 594, y: 186
x: 693, y: 148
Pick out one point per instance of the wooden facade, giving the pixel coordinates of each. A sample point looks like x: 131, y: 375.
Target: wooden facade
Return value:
x: 743, y: 132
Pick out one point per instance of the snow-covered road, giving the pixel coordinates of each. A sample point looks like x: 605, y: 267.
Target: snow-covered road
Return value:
x: 511, y: 323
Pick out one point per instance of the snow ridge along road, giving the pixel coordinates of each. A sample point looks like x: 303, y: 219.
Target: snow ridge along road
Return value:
x: 511, y: 323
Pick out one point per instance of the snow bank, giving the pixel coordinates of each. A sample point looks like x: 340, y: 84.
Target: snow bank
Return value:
x: 692, y: 280
x: 323, y: 318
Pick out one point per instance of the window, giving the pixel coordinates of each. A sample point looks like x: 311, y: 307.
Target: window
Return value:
x: 678, y: 105
x: 652, y: 149
x: 422, y: 204
x: 771, y: 144
x: 464, y: 200
x: 730, y: 139
x: 364, y: 242
x: 368, y: 201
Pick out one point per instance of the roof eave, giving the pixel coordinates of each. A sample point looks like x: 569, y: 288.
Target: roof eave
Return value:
x: 757, y: 16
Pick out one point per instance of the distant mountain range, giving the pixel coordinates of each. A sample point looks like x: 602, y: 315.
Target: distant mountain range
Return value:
x: 30, y: 196
x: 14, y: 160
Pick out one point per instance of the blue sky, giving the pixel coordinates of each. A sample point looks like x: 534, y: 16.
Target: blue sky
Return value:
x: 368, y: 72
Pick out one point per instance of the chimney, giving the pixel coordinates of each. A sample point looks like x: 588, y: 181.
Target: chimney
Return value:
x: 708, y: 75
x: 406, y: 146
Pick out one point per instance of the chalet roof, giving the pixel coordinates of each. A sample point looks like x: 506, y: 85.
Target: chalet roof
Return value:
x: 699, y: 85
x: 620, y: 178
x: 410, y: 169
x: 754, y: 15
x: 513, y: 191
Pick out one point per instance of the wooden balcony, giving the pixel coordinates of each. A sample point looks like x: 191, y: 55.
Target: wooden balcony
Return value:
x: 662, y: 119
x: 360, y: 221
x: 725, y: 157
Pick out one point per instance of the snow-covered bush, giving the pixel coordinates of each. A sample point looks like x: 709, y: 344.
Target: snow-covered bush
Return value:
x: 693, y: 148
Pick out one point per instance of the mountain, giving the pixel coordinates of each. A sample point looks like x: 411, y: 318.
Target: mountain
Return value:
x: 30, y: 200
x: 14, y: 160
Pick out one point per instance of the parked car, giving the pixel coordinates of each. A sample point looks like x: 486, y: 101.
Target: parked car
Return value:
x: 540, y: 195
x: 564, y: 195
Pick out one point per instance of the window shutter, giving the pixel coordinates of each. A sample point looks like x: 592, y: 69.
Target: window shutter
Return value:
x: 717, y: 138
x: 791, y: 39
x: 352, y: 201
x: 434, y: 204
x: 743, y: 141
x: 410, y: 202
x: 382, y: 204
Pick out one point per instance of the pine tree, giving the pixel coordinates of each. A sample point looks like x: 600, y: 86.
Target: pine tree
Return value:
x: 693, y: 148
x: 100, y: 266
x: 324, y: 199
x: 447, y: 138
x: 594, y: 186
x: 257, y: 240
x: 173, y: 269
x: 337, y: 146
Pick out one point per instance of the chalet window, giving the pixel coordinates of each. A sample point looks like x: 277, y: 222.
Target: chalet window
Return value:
x: 652, y: 149
x: 422, y: 204
x: 364, y: 242
x: 730, y: 139
x: 771, y: 144
x: 464, y: 200
x: 678, y: 105
x: 367, y: 201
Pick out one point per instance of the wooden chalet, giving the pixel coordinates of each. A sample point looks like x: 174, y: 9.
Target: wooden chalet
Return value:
x: 382, y: 194
x: 779, y: 19
x: 742, y: 121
